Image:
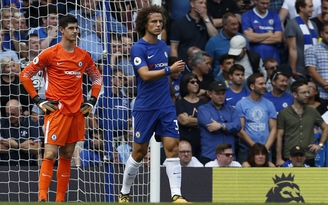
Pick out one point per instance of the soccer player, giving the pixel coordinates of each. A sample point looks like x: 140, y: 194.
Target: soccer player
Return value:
x: 153, y: 109
x: 63, y: 66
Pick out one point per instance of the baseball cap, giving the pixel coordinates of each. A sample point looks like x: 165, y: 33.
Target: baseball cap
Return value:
x: 217, y: 86
x: 237, y: 43
x: 285, y: 69
x: 297, y: 150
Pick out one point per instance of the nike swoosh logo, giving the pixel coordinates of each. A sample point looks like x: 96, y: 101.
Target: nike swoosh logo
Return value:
x: 228, y: 99
x: 65, y: 175
x: 150, y: 56
x: 59, y: 63
x: 45, y: 175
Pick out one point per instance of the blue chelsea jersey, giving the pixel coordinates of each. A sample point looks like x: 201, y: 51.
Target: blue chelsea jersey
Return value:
x: 151, y: 95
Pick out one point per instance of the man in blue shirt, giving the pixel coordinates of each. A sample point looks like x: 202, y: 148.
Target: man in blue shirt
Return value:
x: 238, y: 89
x: 258, y: 117
x: 48, y: 31
x: 153, y: 110
x: 263, y: 30
x: 217, y: 122
x: 220, y: 43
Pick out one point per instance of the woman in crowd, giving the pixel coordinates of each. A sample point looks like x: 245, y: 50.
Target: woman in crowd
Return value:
x: 187, y: 111
x: 314, y: 98
x: 258, y: 156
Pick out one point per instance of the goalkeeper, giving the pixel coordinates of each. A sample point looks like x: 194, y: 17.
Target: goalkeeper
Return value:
x: 63, y: 66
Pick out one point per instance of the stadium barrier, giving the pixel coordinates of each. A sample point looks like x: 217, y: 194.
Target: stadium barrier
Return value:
x: 252, y: 185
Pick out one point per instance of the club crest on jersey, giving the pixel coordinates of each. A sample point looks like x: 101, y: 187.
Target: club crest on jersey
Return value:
x: 54, y: 137
x: 271, y: 21
x: 137, y: 61
x: 284, y: 104
x: 36, y: 60
x: 138, y: 134
x: 80, y: 64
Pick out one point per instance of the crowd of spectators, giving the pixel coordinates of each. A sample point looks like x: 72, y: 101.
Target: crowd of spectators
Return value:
x: 251, y: 67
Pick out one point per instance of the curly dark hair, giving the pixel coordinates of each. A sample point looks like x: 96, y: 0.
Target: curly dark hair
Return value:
x: 142, y: 17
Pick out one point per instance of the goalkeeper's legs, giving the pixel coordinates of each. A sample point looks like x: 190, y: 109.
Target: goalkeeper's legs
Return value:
x: 64, y: 170
x: 46, y: 173
x: 63, y: 176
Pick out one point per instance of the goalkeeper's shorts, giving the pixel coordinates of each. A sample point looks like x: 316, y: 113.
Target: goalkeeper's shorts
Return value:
x: 60, y: 129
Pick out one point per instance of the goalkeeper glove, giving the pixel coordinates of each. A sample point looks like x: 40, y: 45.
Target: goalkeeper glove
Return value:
x: 88, y: 105
x: 45, y: 105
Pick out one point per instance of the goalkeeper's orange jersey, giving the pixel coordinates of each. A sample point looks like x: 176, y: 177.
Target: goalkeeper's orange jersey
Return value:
x: 63, y: 74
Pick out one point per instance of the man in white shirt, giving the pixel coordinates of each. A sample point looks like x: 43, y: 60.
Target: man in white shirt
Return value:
x: 288, y: 9
x: 185, y: 155
x: 224, y: 157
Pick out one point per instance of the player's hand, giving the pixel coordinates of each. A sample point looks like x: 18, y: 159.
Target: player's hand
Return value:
x: 178, y: 67
x: 88, y: 105
x: 45, y: 105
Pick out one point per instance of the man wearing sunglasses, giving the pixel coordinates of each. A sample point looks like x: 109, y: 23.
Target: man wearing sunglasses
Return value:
x: 224, y: 157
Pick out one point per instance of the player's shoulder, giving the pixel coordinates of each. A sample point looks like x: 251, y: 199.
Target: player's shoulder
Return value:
x: 140, y: 44
x: 80, y: 50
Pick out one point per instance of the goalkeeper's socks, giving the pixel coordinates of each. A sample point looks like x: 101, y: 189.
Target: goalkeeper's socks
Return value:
x: 63, y: 176
x: 46, y: 173
x: 130, y: 172
x: 173, y: 171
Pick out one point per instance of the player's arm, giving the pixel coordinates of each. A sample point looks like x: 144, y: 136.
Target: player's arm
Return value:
x: 95, y: 75
x: 152, y: 75
x: 272, y: 135
x: 243, y: 135
x: 279, y: 160
x: 25, y: 77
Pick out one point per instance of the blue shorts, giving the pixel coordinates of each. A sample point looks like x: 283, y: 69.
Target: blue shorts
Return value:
x: 163, y: 122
